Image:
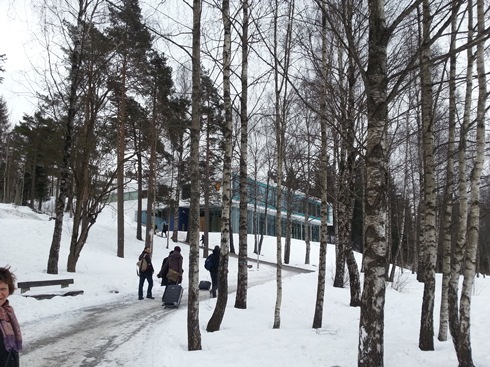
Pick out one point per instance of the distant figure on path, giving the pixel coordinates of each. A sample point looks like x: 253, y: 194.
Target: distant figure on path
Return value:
x: 164, y: 229
x: 213, y: 267
x: 203, y: 240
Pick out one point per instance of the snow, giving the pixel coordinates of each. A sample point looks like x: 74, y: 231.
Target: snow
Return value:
x: 246, y: 337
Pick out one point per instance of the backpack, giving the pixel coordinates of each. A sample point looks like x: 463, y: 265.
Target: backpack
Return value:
x: 208, y: 264
x: 142, y: 266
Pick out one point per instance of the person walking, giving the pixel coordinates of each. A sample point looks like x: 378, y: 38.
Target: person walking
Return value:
x: 147, y: 274
x: 10, y: 335
x: 213, y: 266
x: 163, y: 274
x: 173, y: 267
x: 164, y: 229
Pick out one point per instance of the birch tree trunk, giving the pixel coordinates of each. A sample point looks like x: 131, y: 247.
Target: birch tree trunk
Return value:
x: 449, y: 188
x: 459, y: 248
x: 214, y: 323
x: 371, y: 324
x: 193, y: 331
x: 426, y: 336
x: 322, y: 261
x: 242, y: 281
x: 279, y: 162
x: 464, y: 353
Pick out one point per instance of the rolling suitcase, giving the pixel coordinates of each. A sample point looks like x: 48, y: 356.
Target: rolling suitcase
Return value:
x: 172, y: 295
x: 205, y: 285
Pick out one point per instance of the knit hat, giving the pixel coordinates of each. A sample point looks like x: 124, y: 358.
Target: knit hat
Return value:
x: 177, y: 248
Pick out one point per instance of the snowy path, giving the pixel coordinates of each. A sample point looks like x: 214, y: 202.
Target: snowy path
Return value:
x: 101, y: 335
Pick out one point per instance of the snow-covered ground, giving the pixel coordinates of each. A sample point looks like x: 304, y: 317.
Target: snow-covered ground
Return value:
x: 246, y: 337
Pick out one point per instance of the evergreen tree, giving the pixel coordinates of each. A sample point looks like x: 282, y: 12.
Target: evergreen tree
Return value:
x: 35, y: 152
x: 132, y: 41
x: 211, y: 160
x: 4, y: 130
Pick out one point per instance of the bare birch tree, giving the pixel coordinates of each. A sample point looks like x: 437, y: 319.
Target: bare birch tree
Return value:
x: 371, y: 325
x: 242, y: 281
x: 322, y: 261
x: 193, y: 331
x: 426, y: 336
x: 447, y: 211
x: 462, y: 215
x: 214, y: 323
x: 463, y: 347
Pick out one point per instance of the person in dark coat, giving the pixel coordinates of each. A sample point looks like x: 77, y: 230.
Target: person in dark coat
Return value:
x: 10, y: 335
x: 147, y: 274
x: 173, y: 267
x: 163, y: 274
x: 164, y: 229
x: 213, y: 270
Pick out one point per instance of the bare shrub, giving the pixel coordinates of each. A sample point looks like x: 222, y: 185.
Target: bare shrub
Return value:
x: 400, y: 281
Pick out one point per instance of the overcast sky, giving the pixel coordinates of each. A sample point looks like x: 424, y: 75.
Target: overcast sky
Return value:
x: 17, y: 42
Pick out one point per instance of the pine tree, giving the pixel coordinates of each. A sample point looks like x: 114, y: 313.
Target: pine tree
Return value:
x: 132, y: 41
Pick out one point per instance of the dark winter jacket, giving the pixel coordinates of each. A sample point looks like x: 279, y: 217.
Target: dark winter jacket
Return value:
x: 12, y: 357
x: 149, y: 270
x: 174, y: 262
x: 215, y: 260
x: 163, y: 273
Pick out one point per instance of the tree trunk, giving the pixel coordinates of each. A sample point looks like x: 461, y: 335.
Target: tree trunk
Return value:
x: 343, y: 222
x: 207, y: 187
x: 75, y: 61
x: 82, y: 187
x: 242, y: 281
x: 214, y: 323
x: 279, y: 132
x: 289, y: 227
x: 322, y: 261
x: 139, y: 211
x: 121, y: 151
x: 193, y: 332
x: 426, y: 336
x: 150, y: 203
x: 449, y: 188
x: 459, y: 248
x: 371, y: 325
x: 175, y: 230
x: 464, y: 353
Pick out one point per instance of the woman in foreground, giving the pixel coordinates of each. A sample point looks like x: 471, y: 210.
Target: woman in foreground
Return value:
x: 10, y: 335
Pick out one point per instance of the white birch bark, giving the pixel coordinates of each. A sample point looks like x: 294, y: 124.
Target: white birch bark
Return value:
x: 320, y: 291
x: 426, y: 335
x: 460, y: 245
x: 464, y: 353
x: 214, y: 323
x: 448, y: 195
x: 242, y: 281
x: 371, y: 324
x: 193, y: 331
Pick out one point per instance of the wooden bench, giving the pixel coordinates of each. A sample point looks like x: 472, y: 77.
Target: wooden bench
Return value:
x: 64, y: 283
